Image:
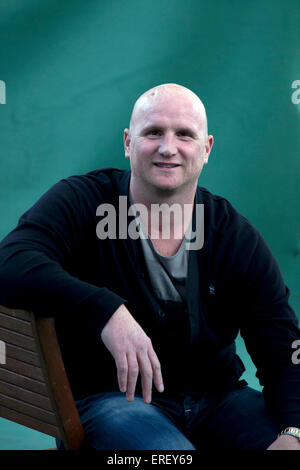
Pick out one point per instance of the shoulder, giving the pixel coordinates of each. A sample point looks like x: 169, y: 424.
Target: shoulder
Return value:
x: 102, y: 178
x: 100, y: 185
x: 219, y: 211
x: 227, y: 231
x: 79, y: 195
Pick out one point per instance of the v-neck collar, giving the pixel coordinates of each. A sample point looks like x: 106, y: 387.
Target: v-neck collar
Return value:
x: 193, y: 283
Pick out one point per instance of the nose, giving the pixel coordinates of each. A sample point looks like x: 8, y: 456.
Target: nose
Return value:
x: 167, y: 146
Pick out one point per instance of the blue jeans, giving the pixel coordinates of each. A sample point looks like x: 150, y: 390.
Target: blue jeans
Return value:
x: 234, y: 419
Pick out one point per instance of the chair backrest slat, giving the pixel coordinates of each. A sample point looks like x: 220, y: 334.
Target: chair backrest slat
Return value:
x: 34, y: 388
x: 16, y: 313
x: 23, y: 368
x: 22, y: 354
x: 17, y: 339
x: 16, y: 324
x: 10, y: 377
x: 26, y: 396
x: 30, y: 422
x: 28, y: 409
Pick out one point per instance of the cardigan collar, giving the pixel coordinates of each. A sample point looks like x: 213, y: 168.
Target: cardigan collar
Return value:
x: 192, y: 281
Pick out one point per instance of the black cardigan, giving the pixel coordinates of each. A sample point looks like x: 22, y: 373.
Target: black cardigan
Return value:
x: 54, y: 264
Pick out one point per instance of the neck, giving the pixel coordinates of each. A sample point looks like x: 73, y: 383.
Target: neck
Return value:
x: 168, y: 214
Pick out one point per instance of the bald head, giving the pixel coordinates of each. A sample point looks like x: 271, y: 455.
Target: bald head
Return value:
x: 148, y: 100
x: 167, y: 144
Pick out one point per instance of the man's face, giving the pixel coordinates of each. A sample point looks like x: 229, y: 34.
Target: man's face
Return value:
x: 167, y: 144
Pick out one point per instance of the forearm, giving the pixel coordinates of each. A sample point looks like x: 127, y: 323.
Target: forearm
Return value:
x: 285, y: 442
x: 31, y: 280
x: 281, y: 394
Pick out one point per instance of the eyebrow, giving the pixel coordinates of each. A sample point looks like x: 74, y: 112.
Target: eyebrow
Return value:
x: 150, y: 128
x: 187, y: 130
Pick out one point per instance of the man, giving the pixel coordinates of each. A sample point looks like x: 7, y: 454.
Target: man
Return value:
x: 149, y: 316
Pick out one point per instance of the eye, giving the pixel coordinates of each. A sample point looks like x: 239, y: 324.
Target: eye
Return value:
x: 184, y: 134
x: 154, y: 133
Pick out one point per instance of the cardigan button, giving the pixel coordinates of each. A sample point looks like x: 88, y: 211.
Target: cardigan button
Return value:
x: 161, y: 313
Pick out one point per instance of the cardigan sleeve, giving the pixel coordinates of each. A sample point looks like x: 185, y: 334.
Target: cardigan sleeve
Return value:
x: 37, y: 256
x: 269, y: 327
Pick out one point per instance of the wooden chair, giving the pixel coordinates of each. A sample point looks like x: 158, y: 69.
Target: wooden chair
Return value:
x: 34, y: 388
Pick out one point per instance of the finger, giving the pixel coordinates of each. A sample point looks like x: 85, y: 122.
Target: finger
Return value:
x: 156, y: 368
x: 146, y: 376
x: 132, y: 375
x: 122, y: 372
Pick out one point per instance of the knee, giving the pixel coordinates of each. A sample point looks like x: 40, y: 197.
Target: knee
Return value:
x: 134, y: 426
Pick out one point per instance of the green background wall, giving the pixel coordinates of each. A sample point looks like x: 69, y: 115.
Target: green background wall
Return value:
x: 73, y: 70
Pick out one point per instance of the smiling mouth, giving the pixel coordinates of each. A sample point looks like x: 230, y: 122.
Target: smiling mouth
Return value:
x: 167, y: 165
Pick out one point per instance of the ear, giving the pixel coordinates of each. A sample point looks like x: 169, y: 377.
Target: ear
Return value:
x: 127, y: 143
x: 208, y: 146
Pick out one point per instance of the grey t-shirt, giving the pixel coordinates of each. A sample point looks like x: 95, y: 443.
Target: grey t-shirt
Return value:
x: 167, y: 273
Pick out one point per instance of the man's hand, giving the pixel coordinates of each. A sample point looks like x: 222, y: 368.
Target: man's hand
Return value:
x: 133, y: 352
x: 285, y: 442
